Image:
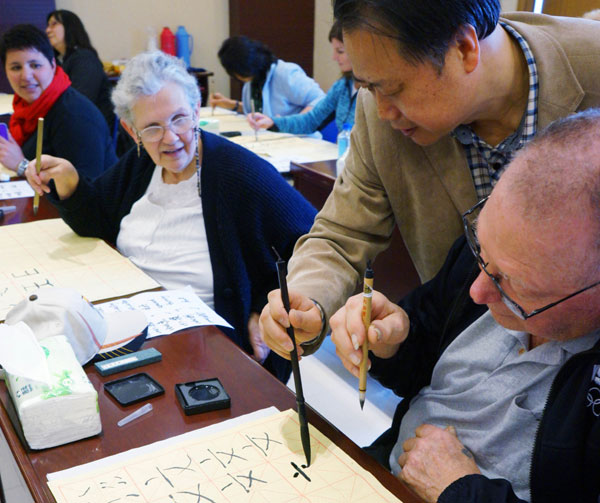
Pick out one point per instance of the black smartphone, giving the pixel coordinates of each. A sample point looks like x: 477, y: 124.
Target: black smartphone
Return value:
x: 231, y: 134
x: 133, y: 388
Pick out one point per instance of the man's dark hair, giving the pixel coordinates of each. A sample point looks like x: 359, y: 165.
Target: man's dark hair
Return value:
x: 75, y: 35
x: 22, y: 37
x: 423, y: 28
x: 245, y: 57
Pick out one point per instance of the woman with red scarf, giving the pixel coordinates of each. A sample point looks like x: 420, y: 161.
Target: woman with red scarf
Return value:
x: 73, y: 127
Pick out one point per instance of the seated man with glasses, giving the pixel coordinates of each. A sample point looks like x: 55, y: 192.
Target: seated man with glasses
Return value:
x: 501, y: 392
x: 192, y: 208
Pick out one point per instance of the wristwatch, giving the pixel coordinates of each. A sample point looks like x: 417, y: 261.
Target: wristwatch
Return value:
x: 22, y: 167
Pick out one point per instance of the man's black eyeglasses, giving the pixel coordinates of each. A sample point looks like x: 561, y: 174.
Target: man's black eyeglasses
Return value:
x: 469, y: 217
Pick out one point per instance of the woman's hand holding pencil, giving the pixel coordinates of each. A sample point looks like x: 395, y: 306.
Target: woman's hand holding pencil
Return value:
x: 63, y: 173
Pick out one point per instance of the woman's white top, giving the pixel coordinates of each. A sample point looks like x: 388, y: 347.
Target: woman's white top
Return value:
x: 164, y: 235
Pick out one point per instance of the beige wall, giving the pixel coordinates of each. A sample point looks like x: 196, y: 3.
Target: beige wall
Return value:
x: 509, y: 5
x: 118, y: 27
x: 118, y: 30
x: 326, y: 70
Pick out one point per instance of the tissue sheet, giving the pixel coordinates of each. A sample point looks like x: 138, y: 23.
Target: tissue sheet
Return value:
x: 62, y: 412
x: 21, y: 353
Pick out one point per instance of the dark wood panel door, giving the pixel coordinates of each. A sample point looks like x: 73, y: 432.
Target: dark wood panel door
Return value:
x: 286, y: 26
x: 574, y: 8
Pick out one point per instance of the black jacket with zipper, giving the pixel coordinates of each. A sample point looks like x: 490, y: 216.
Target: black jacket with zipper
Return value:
x: 565, y: 465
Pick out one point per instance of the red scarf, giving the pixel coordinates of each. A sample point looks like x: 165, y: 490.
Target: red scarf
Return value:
x: 23, y: 121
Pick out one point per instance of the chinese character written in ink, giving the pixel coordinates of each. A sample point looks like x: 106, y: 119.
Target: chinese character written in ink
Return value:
x: 118, y: 481
x: 299, y: 471
x: 228, y: 456
x: 37, y: 285
x: 264, y: 441
x: 26, y: 273
x: 248, y: 478
x: 200, y: 497
x: 180, y: 470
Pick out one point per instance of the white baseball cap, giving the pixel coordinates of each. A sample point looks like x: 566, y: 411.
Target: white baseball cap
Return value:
x: 63, y: 311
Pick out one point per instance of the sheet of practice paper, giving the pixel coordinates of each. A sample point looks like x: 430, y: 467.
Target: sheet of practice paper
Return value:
x: 15, y: 190
x: 6, y: 173
x: 190, y: 436
x: 167, y: 311
x: 261, y: 461
x: 281, y: 150
x: 207, y: 112
x: 48, y: 253
x: 228, y: 120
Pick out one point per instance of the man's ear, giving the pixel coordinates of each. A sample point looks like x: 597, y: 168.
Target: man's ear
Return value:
x: 129, y: 130
x: 467, y: 45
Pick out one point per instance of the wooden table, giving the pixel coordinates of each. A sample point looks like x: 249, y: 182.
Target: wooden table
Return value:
x: 395, y: 274
x: 192, y: 354
x: 24, y: 212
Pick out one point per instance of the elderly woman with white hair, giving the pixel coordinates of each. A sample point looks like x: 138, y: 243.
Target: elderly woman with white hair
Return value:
x: 186, y: 206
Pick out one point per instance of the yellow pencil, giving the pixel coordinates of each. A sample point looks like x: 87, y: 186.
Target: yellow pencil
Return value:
x: 38, y: 160
x: 366, y: 317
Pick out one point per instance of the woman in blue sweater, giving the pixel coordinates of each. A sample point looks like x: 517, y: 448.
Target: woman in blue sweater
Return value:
x: 339, y: 101
x: 187, y: 207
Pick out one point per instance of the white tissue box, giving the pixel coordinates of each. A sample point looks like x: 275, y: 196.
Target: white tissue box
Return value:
x: 62, y: 411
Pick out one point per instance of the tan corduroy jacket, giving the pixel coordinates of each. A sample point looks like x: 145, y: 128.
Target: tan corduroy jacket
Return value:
x: 389, y: 179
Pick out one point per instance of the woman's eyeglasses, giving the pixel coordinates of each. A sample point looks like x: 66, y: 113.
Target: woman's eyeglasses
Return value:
x: 152, y: 134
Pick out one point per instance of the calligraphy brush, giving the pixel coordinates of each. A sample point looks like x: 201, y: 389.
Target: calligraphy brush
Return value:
x: 281, y: 273
x: 38, y: 160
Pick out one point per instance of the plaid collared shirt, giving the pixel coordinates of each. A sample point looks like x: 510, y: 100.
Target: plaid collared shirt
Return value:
x: 486, y: 162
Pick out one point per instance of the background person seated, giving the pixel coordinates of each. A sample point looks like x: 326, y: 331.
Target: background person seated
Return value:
x: 340, y: 100
x: 73, y: 127
x: 503, y: 408
x: 79, y: 60
x: 187, y: 207
x: 275, y: 86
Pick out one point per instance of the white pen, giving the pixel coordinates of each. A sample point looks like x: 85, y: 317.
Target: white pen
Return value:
x: 140, y: 412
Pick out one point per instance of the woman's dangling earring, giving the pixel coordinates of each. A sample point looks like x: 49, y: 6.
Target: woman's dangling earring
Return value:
x: 197, y: 134
x: 138, y: 148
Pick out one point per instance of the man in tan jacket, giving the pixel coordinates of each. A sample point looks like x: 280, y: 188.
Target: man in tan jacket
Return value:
x: 452, y: 91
